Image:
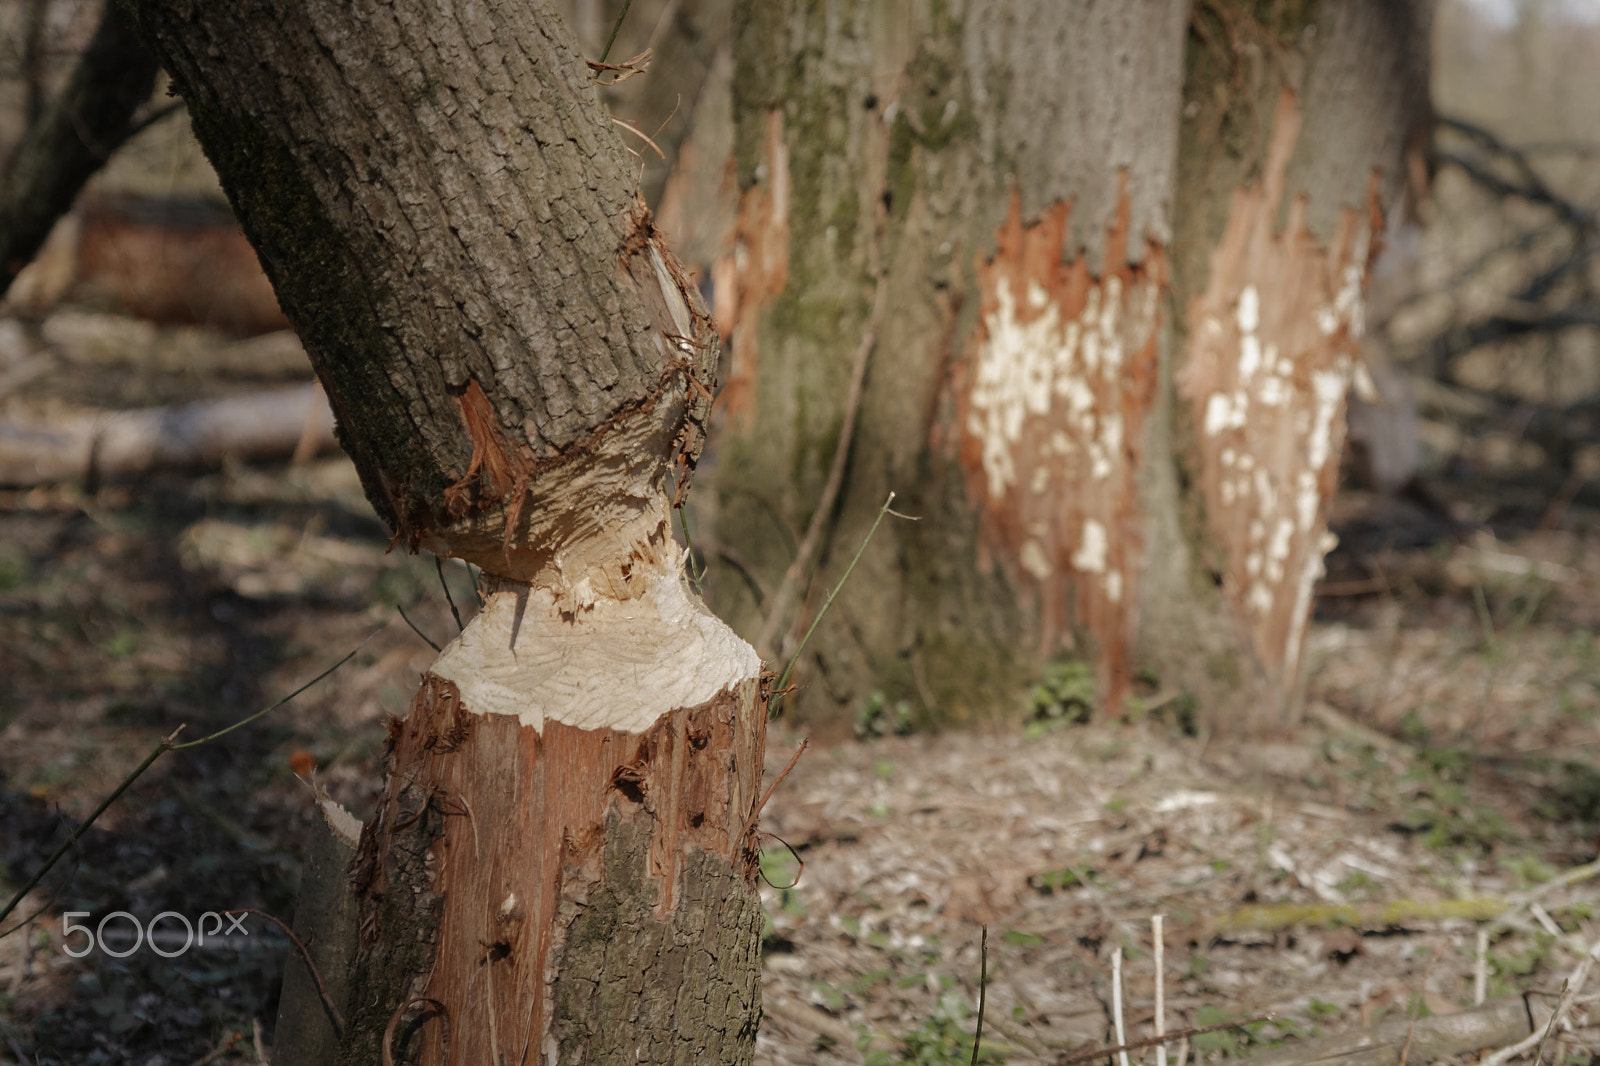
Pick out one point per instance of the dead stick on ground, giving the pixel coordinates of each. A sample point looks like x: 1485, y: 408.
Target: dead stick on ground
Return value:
x: 1135, y: 1045
x: 1158, y: 940
x: 792, y: 578
x: 1569, y: 991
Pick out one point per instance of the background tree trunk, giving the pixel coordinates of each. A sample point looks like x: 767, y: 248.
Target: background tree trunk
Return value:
x: 560, y: 866
x: 1076, y: 211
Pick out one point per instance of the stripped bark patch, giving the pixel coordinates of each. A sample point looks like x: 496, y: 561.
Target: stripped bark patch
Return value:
x: 753, y: 270
x: 490, y: 467
x: 1273, y: 342
x: 1061, y: 378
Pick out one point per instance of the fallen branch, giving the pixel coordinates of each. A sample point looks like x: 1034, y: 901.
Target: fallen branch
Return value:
x: 1272, y: 916
x: 273, y: 424
x: 1424, y: 1039
x: 1569, y: 991
x: 777, y: 614
x: 73, y: 138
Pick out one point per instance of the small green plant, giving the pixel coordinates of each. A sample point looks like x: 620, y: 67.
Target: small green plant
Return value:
x: 941, y: 1040
x: 878, y: 717
x: 1052, y: 881
x: 1064, y: 697
x: 1527, y: 869
x: 1320, y: 1010
x: 1229, y: 1042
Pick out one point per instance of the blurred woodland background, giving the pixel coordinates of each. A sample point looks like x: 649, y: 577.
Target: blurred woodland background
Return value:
x: 1447, y: 743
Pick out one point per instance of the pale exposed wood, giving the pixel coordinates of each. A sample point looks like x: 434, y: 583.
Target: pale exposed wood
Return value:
x: 607, y: 653
x: 267, y: 425
x: 625, y: 851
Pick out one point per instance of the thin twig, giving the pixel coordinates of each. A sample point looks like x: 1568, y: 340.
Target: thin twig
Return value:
x: 1569, y: 991
x: 772, y: 710
x: 414, y: 629
x: 1158, y: 939
x: 642, y: 135
x: 161, y: 749
x: 1135, y: 1045
x: 169, y: 743
x: 983, y: 991
x: 777, y: 614
x: 438, y: 566
x: 615, y: 30
x: 241, y: 723
x: 1116, y: 1003
x: 305, y: 955
x: 628, y: 68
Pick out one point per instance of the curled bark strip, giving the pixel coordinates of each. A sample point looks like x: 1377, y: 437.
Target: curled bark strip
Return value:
x: 765, y: 796
x: 394, y: 1023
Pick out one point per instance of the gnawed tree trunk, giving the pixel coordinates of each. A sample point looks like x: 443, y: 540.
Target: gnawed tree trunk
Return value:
x: 560, y: 867
x: 1061, y: 200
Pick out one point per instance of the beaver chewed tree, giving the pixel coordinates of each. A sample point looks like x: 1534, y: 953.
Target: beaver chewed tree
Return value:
x: 1119, y: 252
x: 560, y: 868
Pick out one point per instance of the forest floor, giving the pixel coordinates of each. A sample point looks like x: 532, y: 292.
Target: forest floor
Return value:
x: 1443, y: 779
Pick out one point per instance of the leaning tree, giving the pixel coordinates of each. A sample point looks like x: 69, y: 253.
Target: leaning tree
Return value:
x: 1083, y: 283
x: 560, y: 866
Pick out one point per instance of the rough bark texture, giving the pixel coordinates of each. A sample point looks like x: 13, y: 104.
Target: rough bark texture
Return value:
x: 325, y: 920
x: 561, y: 868
x: 1045, y: 189
x: 449, y: 221
x: 1007, y: 166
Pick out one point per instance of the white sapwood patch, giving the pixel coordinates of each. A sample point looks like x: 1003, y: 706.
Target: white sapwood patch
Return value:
x: 1028, y: 362
x: 615, y: 664
x: 345, y: 827
x: 1090, y: 558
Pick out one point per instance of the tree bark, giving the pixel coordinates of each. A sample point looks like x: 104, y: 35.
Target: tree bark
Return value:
x: 560, y: 868
x: 1047, y: 191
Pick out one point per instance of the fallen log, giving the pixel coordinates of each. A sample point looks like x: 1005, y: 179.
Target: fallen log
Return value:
x: 272, y: 424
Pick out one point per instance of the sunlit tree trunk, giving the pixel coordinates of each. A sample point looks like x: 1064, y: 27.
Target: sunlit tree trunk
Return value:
x: 560, y: 866
x: 1122, y: 248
